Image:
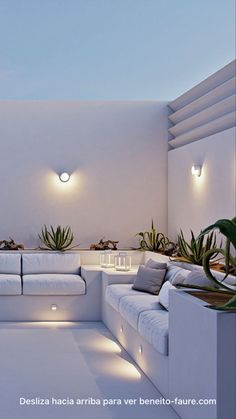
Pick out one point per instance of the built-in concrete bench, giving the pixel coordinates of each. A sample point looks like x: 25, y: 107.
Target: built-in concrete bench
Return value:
x: 46, y: 286
x: 143, y: 312
x: 52, y: 274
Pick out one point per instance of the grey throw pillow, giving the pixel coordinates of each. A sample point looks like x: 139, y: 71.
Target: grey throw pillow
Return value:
x: 149, y: 280
x: 198, y: 278
x: 155, y: 265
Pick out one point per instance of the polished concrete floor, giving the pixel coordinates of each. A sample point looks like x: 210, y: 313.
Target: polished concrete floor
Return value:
x: 77, y: 364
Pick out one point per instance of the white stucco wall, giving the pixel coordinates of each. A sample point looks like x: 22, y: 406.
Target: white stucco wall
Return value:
x: 196, y: 202
x: 116, y: 152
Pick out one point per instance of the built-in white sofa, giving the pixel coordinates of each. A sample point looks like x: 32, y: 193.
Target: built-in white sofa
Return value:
x: 46, y: 287
x: 52, y: 286
x: 188, y: 352
x: 141, y: 324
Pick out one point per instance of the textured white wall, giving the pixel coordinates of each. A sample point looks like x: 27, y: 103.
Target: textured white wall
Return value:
x: 117, y: 152
x: 196, y: 202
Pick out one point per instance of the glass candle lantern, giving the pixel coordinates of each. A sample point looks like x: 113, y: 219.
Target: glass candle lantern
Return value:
x: 107, y: 259
x: 123, y: 262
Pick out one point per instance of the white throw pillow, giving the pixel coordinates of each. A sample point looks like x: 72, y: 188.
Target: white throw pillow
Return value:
x: 164, y: 294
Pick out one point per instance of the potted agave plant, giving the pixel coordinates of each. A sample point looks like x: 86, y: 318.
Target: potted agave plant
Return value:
x: 193, y: 252
x: 155, y: 241
x: 59, y: 238
x: 221, y: 293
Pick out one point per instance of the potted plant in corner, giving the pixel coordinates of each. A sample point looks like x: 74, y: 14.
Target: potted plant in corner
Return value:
x: 221, y: 294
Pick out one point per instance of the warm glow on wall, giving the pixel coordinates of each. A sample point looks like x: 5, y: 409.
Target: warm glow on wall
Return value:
x: 55, y: 184
x: 199, y: 183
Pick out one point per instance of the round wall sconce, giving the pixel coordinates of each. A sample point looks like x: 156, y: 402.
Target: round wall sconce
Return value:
x: 54, y: 307
x: 196, y: 170
x: 64, y: 177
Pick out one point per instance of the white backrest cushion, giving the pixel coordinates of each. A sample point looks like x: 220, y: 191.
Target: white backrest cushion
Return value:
x: 198, y: 278
x: 10, y: 263
x: 46, y: 263
x: 175, y: 274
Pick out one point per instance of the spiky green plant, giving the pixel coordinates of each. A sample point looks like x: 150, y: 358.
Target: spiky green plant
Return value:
x: 59, y: 238
x: 152, y: 240
x: 194, y: 251
x: 228, y: 230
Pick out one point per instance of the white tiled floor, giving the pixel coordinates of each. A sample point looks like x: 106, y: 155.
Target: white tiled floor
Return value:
x: 74, y: 361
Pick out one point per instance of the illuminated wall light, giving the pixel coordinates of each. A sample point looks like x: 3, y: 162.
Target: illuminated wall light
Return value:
x: 140, y: 349
x: 196, y: 170
x: 121, y: 329
x: 54, y: 307
x: 64, y: 177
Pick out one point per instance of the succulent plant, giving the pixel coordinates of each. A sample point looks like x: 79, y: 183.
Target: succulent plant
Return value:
x: 59, y: 238
x: 228, y: 229
x: 194, y: 251
x: 154, y: 241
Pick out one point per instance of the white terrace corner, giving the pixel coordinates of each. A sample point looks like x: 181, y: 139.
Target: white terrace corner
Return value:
x: 80, y: 338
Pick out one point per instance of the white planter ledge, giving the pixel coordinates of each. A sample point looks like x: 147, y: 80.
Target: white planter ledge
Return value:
x: 202, y: 357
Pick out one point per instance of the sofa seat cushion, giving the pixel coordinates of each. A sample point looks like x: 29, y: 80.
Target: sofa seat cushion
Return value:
x: 50, y: 263
x: 53, y: 284
x: 10, y: 284
x: 132, y: 306
x: 115, y: 292
x: 153, y: 326
x: 10, y: 263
